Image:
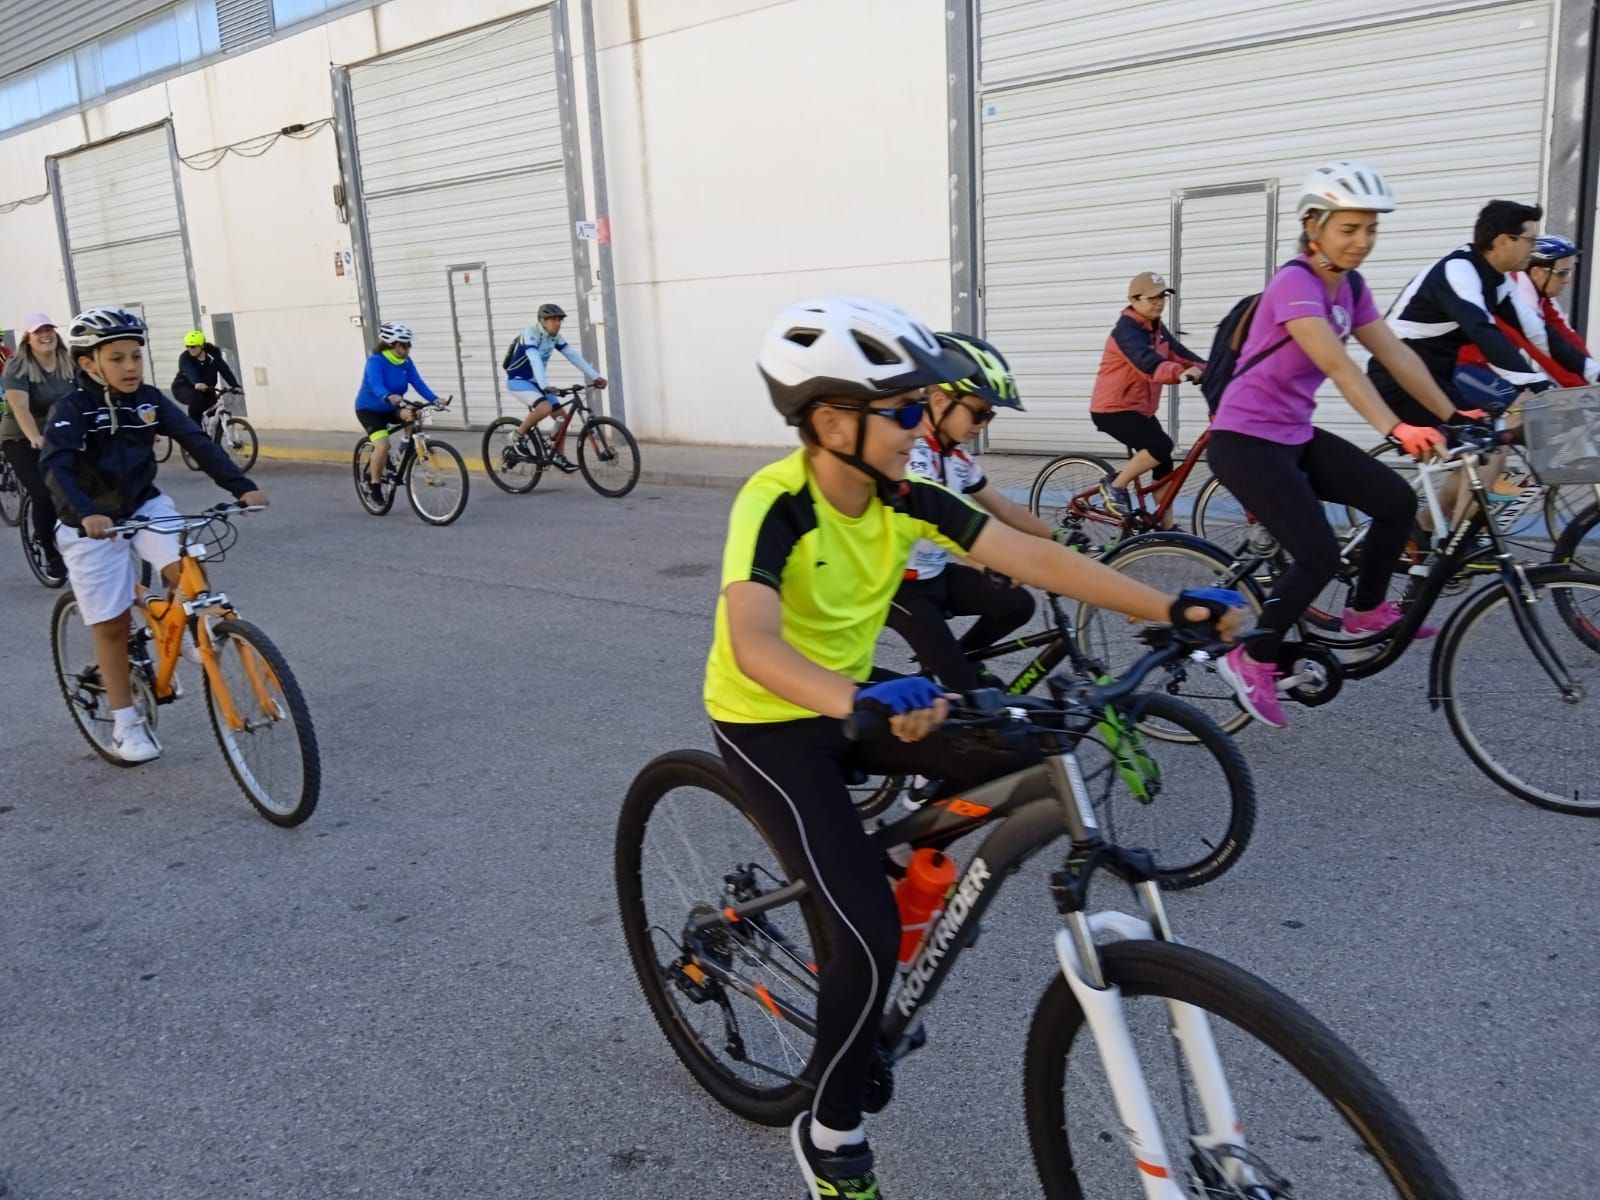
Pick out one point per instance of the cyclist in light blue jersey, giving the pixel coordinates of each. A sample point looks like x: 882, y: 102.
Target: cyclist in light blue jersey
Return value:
x: 526, y: 370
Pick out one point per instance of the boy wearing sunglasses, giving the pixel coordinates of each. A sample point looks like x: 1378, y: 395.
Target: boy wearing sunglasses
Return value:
x: 817, y: 545
x: 936, y: 588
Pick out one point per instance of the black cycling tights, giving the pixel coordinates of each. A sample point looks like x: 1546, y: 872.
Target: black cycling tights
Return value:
x: 792, y: 777
x: 1284, y: 487
x: 922, y: 610
x: 24, y: 460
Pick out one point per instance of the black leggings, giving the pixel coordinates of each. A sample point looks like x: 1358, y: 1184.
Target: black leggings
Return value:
x: 922, y: 610
x: 24, y: 460
x: 792, y: 775
x: 1284, y: 487
x: 1138, y: 431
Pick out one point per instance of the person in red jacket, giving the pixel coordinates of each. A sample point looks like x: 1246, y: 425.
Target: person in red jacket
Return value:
x: 1141, y: 357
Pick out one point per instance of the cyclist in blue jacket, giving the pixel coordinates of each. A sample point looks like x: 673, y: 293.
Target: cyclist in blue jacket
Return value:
x: 389, y: 373
x: 526, y: 371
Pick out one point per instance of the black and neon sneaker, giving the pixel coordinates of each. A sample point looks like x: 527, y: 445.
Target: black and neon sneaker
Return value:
x: 833, y: 1174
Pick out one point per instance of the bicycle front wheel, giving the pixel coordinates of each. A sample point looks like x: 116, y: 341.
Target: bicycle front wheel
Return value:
x: 1520, y: 729
x: 11, y: 496
x: 509, y: 468
x: 608, y: 457
x: 1313, y: 1119
x: 36, y: 552
x: 1169, y: 562
x: 1187, y: 797
x: 163, y: 448
x: 262, y: 724
x: 724, y: 998
x: 240, y: 443
x: 1579, y: 543
x: 436, y: 482
x: 1065, y: 492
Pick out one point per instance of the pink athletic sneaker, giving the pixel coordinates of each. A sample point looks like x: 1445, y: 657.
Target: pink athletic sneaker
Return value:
x: 1382, y: 619
x: 1255, y: 684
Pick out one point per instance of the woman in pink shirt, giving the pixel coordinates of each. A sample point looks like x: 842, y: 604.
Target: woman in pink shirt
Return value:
x: 1265, y: 450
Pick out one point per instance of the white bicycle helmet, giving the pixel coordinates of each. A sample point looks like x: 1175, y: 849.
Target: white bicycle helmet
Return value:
x: 1344, y: 186
x: 392, y: 332
x: 95, y: 327
x: 853, y: 348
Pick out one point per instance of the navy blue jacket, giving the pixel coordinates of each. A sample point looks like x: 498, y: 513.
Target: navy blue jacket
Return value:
x: 99, y: 458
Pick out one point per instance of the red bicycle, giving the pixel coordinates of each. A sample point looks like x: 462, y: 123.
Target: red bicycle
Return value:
x: 1067, y: 492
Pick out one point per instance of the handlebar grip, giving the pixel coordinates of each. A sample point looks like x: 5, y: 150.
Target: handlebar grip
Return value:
x: 860, y: 726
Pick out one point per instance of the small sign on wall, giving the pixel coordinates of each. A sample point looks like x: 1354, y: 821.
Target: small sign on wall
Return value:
x: 588, y: 231
x: 343, y: 261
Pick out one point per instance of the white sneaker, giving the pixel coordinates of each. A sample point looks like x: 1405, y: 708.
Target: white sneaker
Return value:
x: 135, y: 744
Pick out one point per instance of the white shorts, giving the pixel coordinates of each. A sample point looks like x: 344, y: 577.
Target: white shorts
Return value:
x: 105, y: 574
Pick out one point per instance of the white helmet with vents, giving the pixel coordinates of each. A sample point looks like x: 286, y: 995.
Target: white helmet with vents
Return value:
x: 392, y: 332
x: 1344, y: 186
x: 854, y: 348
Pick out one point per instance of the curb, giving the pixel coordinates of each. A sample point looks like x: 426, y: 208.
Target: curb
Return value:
x: 665, y: 476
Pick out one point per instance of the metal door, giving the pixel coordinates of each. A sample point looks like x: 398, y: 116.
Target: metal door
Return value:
x: 477, y: 366
x: 224, y: 339
x: 1224, y: 246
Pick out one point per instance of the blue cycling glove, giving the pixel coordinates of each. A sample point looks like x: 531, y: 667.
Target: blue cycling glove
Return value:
x: 893, y: 697
x: 1216, y: 602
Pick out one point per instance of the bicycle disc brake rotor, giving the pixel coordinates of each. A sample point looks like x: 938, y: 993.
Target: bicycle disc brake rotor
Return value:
x: 1213, y: 1167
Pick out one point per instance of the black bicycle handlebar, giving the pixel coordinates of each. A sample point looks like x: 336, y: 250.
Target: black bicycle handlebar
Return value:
x: 1072, y: 695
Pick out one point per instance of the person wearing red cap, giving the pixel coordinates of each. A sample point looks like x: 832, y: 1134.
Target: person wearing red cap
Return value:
x: 1141, y: 357
x: 36, y: 377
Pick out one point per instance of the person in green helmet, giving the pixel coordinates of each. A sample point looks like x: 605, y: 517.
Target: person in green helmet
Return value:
x: 195, y: 384
x: 937, y: 586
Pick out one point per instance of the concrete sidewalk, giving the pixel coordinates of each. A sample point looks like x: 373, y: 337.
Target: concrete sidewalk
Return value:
x: 682, y: 464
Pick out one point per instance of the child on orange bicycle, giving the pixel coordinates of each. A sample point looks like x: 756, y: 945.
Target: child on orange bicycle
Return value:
x: 99, y: 464
x: 1140, y: 358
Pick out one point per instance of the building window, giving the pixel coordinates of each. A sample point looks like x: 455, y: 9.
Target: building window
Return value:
x: 184, y: 33
x: 287, y: 12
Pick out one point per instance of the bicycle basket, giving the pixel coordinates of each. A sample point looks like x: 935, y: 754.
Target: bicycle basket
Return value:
x: 1562, y: 430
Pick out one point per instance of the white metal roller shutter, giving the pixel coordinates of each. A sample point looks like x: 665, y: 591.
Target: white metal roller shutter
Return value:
x: 461, y: 163
x: 1078, y: 177
x: 125, y: 238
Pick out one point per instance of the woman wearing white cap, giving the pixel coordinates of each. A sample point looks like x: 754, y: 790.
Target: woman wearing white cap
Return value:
x: 33, y: 380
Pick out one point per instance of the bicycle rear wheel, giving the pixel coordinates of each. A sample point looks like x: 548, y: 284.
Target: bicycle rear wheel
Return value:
x: 1057, y: 497
x: 1314, y: 1120
x: 685, y: 848
x: 508, y: 468
x: 1506, y: 711
x: 11, y: 495
x: 1170, y: 563
x: 1188, y: 798
x: 262, y: 724
x: 436, y: 484
x: 608, y: 457
x: 78, y: 673
x: 360, y: 465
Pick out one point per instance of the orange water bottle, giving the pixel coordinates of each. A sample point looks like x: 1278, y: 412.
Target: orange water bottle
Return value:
x: 920, y: 897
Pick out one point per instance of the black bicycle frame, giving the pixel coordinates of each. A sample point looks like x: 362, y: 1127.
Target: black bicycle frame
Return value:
x: 1059, y: 645
x: 1029, y: 810
x: 1457, y: 552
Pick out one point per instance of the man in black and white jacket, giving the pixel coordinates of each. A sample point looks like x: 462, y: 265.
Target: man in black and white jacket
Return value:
x: 1454, y: 303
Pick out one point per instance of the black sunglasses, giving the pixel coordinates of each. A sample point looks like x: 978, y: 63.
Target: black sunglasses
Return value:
x: 978, y: 416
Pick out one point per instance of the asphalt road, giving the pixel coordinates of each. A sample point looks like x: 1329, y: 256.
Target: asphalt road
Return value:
x: 423, y: 991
